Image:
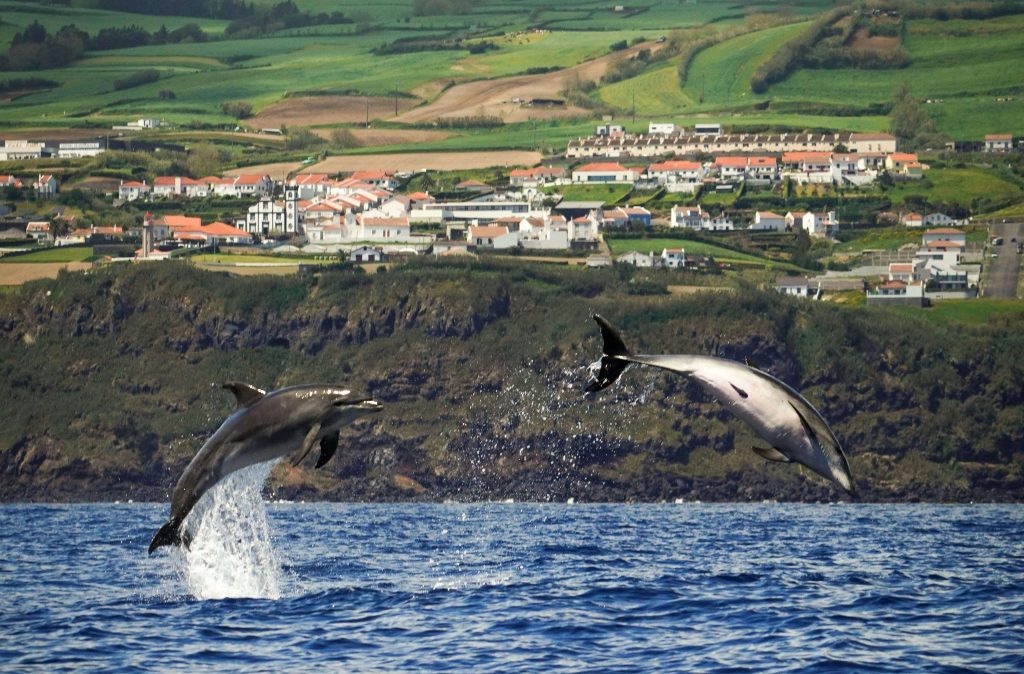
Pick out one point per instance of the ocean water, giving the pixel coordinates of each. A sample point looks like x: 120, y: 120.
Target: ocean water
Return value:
x: 500, y: 587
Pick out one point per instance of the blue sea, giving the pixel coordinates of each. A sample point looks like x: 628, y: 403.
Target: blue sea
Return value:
x: 508, y: 587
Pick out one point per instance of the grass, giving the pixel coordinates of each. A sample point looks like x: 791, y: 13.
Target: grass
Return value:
x: 971, y: 312
x: 609, y: 194
x: 656, y: 245
x: 962, y: 185
x: 63, y: 254
x: 228, y: 258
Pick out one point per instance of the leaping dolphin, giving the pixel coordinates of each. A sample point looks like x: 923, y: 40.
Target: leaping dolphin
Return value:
x: 778, y: 414
x: 264, y: 426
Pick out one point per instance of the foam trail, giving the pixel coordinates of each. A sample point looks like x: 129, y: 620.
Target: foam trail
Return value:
x: 231, y: 554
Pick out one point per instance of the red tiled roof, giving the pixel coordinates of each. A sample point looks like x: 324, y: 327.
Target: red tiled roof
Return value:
x: 674, y: 166
x: 601, y: 167
x: 486, y: 231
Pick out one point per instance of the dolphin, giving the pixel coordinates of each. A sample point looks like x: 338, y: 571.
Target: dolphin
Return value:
x: 263, y: 427
x: 793, y: 428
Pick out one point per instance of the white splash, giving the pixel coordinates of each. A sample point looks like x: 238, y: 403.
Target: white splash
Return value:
x: 231, y: 554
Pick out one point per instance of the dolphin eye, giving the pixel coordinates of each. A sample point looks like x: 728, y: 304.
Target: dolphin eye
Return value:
x: 743, y: 394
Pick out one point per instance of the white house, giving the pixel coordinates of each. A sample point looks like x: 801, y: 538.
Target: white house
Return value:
x: 677, y: 175
x: 46, y: 186
x: 368, y: 228
x: 130, y: 190
x: 638, y: 259
x: 690, y: 217
x: 603, y: 172
x: 266, y: 216
x: 673, y: 258
x: 938, y: 220
x: 662, y: 128
x: 39, y: 230
x: 796, y: 286
x: 944, y: 234
x: 172, y: 186
x: 20, y: 149
x: 366, y: 254
x: 998, y: 142
x: 768, y: 221
x: 913, y: 220
x: 309, y: 185
x: 490, y: 236
x: 820, y: 224
x: 378, y: 178
x: 483, y: 210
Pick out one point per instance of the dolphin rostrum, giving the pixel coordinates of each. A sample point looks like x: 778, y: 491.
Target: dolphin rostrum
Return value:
x: 795, y: 431
x: 263, y: 427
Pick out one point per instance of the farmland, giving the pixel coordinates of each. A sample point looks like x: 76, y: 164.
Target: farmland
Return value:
x: 486, y: 61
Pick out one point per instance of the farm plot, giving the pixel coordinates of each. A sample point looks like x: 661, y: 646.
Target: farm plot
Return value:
x: 322, y: 110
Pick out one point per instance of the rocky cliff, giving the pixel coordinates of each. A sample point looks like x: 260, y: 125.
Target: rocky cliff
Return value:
x: 110, y: 379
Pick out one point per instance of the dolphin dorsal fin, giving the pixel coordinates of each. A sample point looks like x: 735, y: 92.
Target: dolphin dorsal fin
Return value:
x: 749, y: 362
x: 245, y: 394
x: 771, y: 454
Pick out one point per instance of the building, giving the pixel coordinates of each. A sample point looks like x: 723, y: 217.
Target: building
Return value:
x: 638, y: 259
x: 364, y: 254
x: 532, y: 177
x: 673, y: 258
x: 768, y: 221
x: 180, y: 186
x: 676, y: 176
x: 79, y: 149
x: 39, y: 230
x: 690, y: 217
x: 998, y: 142
x: 898, y: 292
x: 481, y: 210
x: 797, y: 286
x: 681, y: 144
x: 131, y: 190
x: 604, y: 172
x: 20, y: 149
x: 662, y: 128
x: 266, y: 216
x: 46, y: 186
x: 492, y: 237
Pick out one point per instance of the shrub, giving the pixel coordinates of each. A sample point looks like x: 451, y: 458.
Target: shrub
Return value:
x: 137, y: 78
x: 237, y: 109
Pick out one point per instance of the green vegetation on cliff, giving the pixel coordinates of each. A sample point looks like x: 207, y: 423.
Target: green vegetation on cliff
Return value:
x: 109, y: 378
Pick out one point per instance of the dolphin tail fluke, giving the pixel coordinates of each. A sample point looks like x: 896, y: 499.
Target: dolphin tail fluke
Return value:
x: 606, y: 371
x: 169, y: 534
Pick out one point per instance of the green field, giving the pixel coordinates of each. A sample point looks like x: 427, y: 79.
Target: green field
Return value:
x: 63, y: 254
x: 973, y: 312
x: 609, y: 194
x: 655, y: 245
x: 967, y: 186
x: 966, y: 70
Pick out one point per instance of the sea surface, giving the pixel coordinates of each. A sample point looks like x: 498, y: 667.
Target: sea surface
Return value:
x: 507, y: 587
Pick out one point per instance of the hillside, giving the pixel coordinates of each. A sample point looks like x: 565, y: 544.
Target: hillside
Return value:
x: 404, y: 64
x: 110, y: 385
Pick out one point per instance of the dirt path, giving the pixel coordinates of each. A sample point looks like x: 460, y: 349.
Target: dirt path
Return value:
x: 498, y: 97
x: 316, y: 110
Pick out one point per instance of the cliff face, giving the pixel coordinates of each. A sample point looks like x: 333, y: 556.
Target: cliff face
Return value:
x: 110, y: 377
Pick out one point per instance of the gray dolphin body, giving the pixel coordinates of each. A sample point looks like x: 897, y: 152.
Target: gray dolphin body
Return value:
x: 264, y: 427
x: 782, y: 417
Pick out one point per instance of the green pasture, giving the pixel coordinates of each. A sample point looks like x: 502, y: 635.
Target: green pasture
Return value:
x: 960, y: 185
x: 63, y: 254
x: 517, y: 53
x: 655, y: 245
x: 229, y: 258
x: 18, y: 15
x: 974, y: 312
x: 609, y: 194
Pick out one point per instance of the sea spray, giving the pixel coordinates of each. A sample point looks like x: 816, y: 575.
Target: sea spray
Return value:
x: 231, y: 554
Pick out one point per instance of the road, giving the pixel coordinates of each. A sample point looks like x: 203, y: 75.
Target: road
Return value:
x: 1003, y: 270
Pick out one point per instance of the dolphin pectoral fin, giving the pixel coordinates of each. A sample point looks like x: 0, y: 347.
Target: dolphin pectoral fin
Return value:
x: 739, y: 391
x: 328, y: 446
x: 307, y: 444
x: 771, y: 454
x: 245, y: 394
x: 803, y: 422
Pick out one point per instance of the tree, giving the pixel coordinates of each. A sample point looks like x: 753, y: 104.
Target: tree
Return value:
x: 909, y: 123
x: 204, y: 159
